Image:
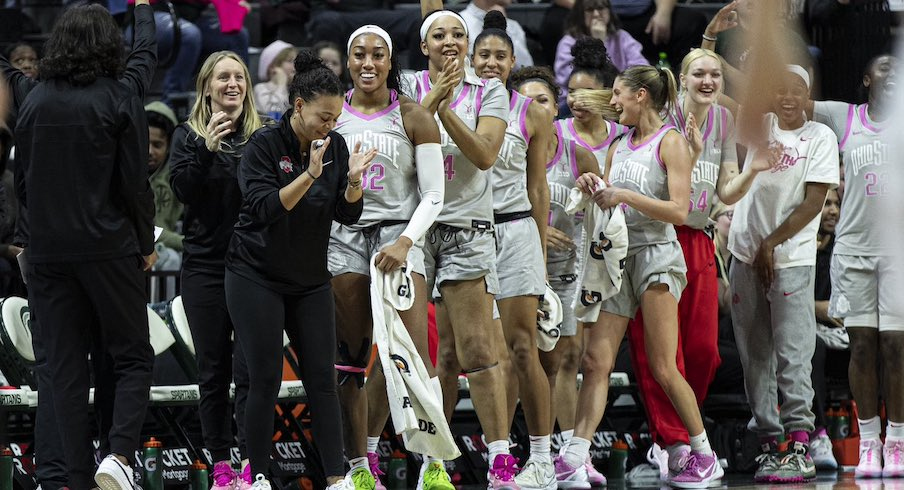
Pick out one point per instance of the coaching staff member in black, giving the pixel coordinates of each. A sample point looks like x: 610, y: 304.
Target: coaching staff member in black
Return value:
x: 82, y: 144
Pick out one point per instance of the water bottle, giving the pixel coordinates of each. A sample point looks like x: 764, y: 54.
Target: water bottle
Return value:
x: 6, y: 469
x: 398, y: 471
x: 832, y: 423
x: 663, y: 63
x: 153, y: 475
x: 618, y: 459
x: 844, y: 424
x: 199, y: 477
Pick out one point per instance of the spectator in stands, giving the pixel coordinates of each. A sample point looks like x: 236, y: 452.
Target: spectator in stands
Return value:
x: 595, y: 18
x: 473, y: 15
x: 22, y: 56
x: 334, y: 21
x: 90, y: 212
x: 204, y: 165
x: 203, y: 29
x: 161, y: 123
x: 275, y: 70
x: 661, y: 27
x: 333, y: 58
x: 296, y: 178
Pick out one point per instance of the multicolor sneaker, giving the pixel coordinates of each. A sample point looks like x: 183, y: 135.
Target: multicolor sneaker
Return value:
x: 767, y: 460
x: 596, y: 479
x: 677, y: 463
x: 244, y: 480
x: 502, y: 473
x: 701, y: 471
x: 795, y: 465
x: 870, y: 465
x: 433, y: 476
x: 224, y: 476
x: 343, y: 484
x: 374, y: 460
x: 894, y: 459
x: 821, y: 451
x: 568, y: 476
x: 537, y: 475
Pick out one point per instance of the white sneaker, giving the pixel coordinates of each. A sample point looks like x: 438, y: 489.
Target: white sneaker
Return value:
x: 260, y: 482
x: 894, y: 459
x: 870, y: 459
x: 113, y: 475
x: 537, y: 475
x: 821, y: 451
x: 659, y: 459
x: 343, y: 484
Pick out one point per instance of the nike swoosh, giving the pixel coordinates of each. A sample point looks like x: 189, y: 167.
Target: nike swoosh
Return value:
x: 789, y: 294
x: 435, y: 202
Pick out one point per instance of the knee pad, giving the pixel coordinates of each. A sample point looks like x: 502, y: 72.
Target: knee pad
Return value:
x: 350, y: 366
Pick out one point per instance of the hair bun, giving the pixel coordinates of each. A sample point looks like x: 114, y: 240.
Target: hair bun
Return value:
x: 590, y: 53
x: 307, y: 60
x: 495, y: 20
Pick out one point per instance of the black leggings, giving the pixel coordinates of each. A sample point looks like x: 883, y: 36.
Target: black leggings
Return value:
x: 204, y: 300
x: 260, y: 315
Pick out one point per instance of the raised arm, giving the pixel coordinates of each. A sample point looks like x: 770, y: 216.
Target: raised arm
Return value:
x: 142, y: 59
x: 480, y: 146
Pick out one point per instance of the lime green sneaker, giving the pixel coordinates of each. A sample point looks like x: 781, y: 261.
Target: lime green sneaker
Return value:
x: 434, y: 477
x: 362, y: 479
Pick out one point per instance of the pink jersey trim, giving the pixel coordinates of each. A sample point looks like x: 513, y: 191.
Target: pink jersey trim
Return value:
x: 559, y: 149
x: 709, y: 124
x: 723, y: 112
x: 848, y: 127
x: 370, y: 117
x: 522, y: 118
x: 465, y: 90
x: 611, y: 127
x: 632, y: 147
x: 478, y: 99
x: 573, y: 159
x: 864, y: 119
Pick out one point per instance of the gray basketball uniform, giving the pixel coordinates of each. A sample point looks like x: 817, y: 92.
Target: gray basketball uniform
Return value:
x: 461, y: 245
x: 863, y: 280
x: 390, y: 189
x: 563, y: 266
x: 718, y: 146
x: 599, y: 151
x: 654, y: 255
x: 519, y: 253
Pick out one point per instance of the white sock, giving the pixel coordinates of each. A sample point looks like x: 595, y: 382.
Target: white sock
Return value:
x: 894, y: 431
x: 431, y: 459
x: 359, y: 463
x: 539, y: 448
x: 496, y: 448
x: 700, y: 444
x: 372, y: 443
x: 577, y: 451
x: 566, y: 436
x: 869, y: 429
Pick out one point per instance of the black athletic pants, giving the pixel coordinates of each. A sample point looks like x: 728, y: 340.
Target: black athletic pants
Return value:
x: 78, y: 302
x: 260, y: 315
x: 220, y: 360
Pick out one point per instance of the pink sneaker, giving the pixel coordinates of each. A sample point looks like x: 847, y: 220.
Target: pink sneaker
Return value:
x: 595, y: 478
x: 568, y: 476
x: 894, y: 459
x: 701, y: 471
x: 245, y: 480
x: 374, y: 460
x: 224, y: 476
x: 502, y: 474
x: 870, y: 459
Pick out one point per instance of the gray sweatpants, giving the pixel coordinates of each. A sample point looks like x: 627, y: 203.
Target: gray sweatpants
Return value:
x: 776, y: 335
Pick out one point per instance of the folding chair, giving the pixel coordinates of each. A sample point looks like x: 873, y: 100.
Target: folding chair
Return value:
x: 17, y: 357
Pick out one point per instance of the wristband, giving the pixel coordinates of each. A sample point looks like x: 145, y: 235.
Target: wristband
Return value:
x: 308, y: 171
x: 709, y: 38
x: 356, y: 184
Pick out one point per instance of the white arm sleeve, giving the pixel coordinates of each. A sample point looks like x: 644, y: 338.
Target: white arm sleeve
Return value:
x: 429, y: 161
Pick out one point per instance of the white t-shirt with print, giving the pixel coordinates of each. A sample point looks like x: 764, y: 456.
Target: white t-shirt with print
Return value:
x: 811, y: 155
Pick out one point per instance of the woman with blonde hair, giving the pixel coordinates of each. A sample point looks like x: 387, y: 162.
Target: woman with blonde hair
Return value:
x: 649, y: 173
x: 709, y: 130
x: 204, y: 163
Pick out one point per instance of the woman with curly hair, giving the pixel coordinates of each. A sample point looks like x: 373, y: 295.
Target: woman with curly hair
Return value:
x: 82, y: 142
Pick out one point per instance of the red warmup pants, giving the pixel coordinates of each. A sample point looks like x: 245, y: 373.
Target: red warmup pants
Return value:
x: 698, y: 336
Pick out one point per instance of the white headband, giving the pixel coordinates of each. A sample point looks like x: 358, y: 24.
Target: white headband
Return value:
x: 801, y: 72
x: 370, y: 29
x: 425, y: 26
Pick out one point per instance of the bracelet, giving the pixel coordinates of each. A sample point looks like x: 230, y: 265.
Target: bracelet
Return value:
x: 308, y: 171
x: 355, y: 184
x: 708, y: 38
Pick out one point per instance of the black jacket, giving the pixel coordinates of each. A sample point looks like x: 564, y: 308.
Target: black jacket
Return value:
x: 279, y: 249
x: 82, y: 154
x: 137, y: 77
x: 206, y: 182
